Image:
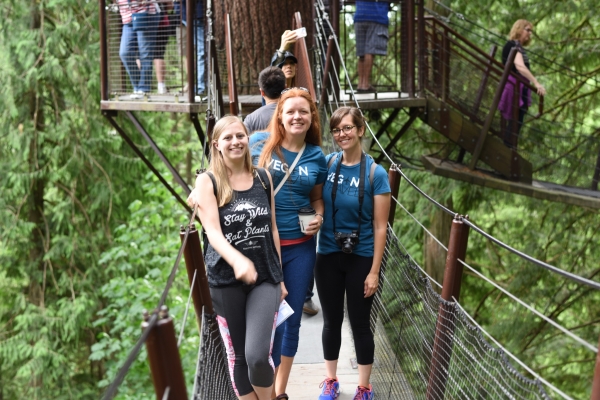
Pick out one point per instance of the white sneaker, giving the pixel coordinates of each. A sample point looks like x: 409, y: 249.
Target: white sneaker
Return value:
x: 162, y: 88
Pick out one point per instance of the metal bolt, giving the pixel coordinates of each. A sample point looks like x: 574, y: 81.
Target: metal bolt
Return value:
x: 145, y: 315
x: 164, y: 312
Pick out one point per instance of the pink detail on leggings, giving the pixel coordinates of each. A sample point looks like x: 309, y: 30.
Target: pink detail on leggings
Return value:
x: 272, y: 339
x: 224, y: 330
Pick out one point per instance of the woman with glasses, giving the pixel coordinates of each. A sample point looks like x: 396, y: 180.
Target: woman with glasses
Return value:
x: 519, y: 37
x: 290, y: 151
x: 243, y: 257
x: 351, y: 244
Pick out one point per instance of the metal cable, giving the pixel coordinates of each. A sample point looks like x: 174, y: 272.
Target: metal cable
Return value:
x: 187, y: 308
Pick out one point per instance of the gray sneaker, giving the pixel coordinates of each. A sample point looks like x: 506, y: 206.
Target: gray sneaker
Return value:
x: 310, y: 308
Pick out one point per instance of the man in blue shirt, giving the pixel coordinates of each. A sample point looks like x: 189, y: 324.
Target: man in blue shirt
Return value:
x: 371, y: 28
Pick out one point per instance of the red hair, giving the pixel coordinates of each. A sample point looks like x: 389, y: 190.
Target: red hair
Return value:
x: 275, y: 139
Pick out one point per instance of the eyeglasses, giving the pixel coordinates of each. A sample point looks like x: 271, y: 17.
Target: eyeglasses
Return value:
x: 346, y: 129
x: 299, y: 87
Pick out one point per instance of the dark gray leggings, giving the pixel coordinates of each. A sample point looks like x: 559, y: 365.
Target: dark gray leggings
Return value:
x: 246, y: 316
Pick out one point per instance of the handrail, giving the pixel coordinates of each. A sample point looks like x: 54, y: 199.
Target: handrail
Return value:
x: 233, y: 98
x: 492, y: 62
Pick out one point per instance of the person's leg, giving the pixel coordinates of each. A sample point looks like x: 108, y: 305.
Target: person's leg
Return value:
x: 360, y: 30
x: 146, y: 42
x: 200, y: 78
x: 261, y: 315
x: 367, y: 68
x: 128, y: 52
x: 230, y: 307
x: 309, y: 306
x: 298, y: 261
x: 359, y: 313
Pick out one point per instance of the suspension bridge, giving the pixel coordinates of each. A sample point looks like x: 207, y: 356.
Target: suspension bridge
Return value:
x: 427, y: 345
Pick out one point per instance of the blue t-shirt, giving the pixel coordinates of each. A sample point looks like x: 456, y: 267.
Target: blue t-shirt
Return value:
x: 310, y: 170
x: 372, y: 11
x: 346, y: 202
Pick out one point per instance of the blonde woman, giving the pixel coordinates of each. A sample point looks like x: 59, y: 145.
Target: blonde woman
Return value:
x: 243, y: 257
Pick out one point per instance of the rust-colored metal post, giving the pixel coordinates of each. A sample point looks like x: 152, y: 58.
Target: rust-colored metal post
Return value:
x: 421, y: 46
x: 596, y: 177
x: 596, y: 381
x: 163, y: 356
x: 494, y: 105
x: 410, y: 47
x: 394, y: 178
x: 334, y: 18
x: 323, y: 99
x: 103, y: 53
x: 445, y: 60
x: 444, y: 330
x: 233, y: 103
x: 194, y: 263
x: 190, y: 51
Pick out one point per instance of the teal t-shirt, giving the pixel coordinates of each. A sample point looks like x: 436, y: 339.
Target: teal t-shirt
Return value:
x: 310, y: 170
x: 346, y: 202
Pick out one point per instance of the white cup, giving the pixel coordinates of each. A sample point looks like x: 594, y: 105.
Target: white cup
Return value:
x: 306, y: 215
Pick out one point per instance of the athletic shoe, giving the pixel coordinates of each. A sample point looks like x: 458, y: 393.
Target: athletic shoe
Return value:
x: 363, y: 393
x: 310, y: 308
x: 331, y: 389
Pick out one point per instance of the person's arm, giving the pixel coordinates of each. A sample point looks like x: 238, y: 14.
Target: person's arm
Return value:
x: 523, y: 70
x: 275, y: 232
x: 381, y: 210
x: 288, y: 38
x: 316, y: 202
x: 204, y: 198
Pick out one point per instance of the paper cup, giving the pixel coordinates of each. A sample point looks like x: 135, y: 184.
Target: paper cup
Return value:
x: 305, y: 216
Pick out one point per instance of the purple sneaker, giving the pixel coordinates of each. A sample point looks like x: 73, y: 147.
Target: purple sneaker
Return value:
x: 331, y: 389
x: 363, y: 393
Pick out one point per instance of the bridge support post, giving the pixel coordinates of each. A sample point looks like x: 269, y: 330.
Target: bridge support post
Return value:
x: 444, y: 330
x: 194, y: 264
x: 163, y: 356
x: 394, y: 178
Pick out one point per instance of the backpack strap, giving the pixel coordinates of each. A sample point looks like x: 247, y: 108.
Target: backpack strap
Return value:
x: 266, y: 183
x: 371, y: 170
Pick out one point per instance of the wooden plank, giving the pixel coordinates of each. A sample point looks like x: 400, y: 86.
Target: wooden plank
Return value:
x: 537, y: 190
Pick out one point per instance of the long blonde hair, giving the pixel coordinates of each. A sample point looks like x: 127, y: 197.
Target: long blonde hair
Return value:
x: 217, y: 164
x: 518, y: 27
x: 273, y: 143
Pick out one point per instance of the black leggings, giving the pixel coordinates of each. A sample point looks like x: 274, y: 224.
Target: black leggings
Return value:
x: 246, y: 317
x: 338, y: 274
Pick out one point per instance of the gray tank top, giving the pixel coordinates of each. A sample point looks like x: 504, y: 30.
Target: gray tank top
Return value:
x: 246, y: 224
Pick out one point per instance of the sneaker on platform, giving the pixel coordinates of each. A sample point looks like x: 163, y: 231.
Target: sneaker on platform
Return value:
x: 162, y: 88
x: 363, y: 393
x: 310, y: 308
x: 330, y: 389
x: 137, y: 94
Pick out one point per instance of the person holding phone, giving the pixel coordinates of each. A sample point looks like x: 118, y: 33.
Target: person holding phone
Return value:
x: 290, y: 150
x: 243, y: 259
x: 351, y: 245
x: 283, y: 57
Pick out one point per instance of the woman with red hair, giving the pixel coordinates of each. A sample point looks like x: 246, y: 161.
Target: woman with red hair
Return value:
x: 290, y: 151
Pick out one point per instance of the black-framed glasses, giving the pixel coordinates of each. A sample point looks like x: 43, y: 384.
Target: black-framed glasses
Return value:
x: 299, y: 87
x: 346, y: 129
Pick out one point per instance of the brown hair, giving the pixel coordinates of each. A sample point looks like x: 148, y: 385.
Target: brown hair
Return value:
x: 275, y: 139
x: 517, y: 28
x: 217, y: 164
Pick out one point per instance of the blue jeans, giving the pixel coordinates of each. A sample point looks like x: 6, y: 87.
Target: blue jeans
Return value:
x: 199, y: 28
x: 298, y: 269
x: 138, y: 45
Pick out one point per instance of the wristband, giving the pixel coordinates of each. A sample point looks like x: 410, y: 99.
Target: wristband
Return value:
x: 320, y: 215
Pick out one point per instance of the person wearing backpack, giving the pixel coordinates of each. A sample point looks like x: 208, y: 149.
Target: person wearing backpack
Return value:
x: 356, y: 195
x: 243, y: 259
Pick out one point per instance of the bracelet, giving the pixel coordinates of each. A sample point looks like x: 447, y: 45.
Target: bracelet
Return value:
x: 320, y: 215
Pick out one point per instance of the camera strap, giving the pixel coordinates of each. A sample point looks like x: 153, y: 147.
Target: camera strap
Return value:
x: 361, y: 189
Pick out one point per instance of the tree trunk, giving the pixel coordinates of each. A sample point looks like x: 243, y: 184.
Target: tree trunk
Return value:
x: 435, y: 255
x: 257, y: 26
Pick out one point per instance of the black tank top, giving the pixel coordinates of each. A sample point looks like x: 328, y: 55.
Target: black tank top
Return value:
x: 246, y: 224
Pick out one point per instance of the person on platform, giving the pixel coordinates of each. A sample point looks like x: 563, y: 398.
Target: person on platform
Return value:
x: 371, y: 27
x: 350, y: 250
x: 290, y: 150
x: 181, y: 9
x: 519, y: 37
x: 244, y: 272
x: 284, y: 59
x: 271, y: 81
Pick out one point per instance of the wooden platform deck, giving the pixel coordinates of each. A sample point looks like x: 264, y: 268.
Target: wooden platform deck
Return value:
x: 538, y: 189
x: 177, y: 102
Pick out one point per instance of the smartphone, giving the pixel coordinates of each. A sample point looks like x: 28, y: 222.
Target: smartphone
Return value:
x: 300, y: 33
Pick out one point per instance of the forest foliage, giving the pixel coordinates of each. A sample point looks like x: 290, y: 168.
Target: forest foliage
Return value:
x: 88, y: 235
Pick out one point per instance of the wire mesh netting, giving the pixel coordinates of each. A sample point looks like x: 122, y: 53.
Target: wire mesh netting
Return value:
x: 148, y: 57
x: 405, y: 314
x: 212, y: 377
